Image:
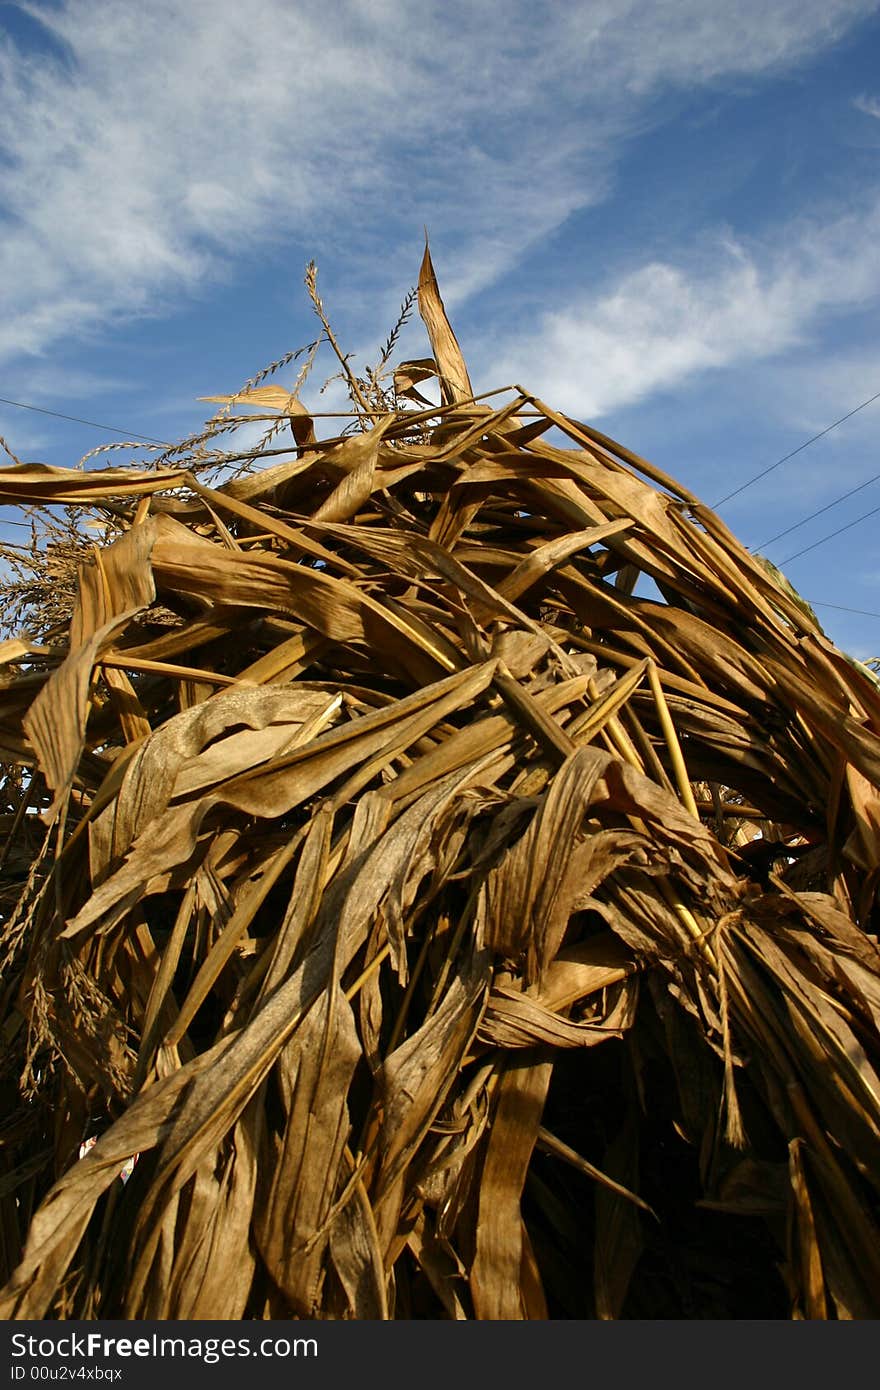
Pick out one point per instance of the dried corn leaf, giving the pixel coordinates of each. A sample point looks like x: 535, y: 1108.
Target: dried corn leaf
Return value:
x: 379, y: 798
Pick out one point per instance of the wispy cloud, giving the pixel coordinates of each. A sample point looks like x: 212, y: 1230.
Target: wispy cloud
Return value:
x: 725, y: 303
x: 40, y: 382
x: 151, y: 143
x: 24, y: 439
x: 870, y: 106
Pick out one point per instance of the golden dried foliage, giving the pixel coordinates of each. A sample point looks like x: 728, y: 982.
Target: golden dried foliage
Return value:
x: 451, y: 932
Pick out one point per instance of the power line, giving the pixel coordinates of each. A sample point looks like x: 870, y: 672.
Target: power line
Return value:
x: 150, y: 439
x: 814, y: 602
x: 798, y: 450
x: 830, y: 537
x: 827, y: 508
x: 77, y: 420
x: 863, y: 612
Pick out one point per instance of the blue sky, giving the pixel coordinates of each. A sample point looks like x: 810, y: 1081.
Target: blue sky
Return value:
x: 663, y: 218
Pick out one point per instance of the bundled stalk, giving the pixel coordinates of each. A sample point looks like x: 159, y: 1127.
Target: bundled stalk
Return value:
x: 445, y: 930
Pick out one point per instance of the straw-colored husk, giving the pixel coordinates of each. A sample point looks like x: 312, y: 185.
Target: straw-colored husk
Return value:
x: 450, y: 931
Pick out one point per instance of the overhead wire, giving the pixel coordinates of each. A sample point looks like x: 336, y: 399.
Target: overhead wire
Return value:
x: 830, y: 537
x: 806, y: 444
x: 78, y: 420
x: 842, y: 608
x: 812, y: 516
x: 151, y: 439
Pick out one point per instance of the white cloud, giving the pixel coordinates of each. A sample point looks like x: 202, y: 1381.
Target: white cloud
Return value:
x: 725, y: 304
x: 155, y: 141
x: 704, y: 42
x: 25, y: 438
x: 870, y: 106
x: 811, y: 394
x: 37, y: 382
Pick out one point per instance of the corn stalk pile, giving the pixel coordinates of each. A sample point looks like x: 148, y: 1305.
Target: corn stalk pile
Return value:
x: 447, y: 931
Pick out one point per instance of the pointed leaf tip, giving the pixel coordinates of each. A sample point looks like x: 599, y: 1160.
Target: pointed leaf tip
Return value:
x: 454, y: 380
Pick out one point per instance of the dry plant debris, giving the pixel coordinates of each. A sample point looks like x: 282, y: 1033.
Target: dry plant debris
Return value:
x: 450, y: 931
